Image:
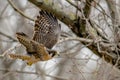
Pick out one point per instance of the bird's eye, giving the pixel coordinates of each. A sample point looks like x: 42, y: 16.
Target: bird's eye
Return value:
x: 52, y: 53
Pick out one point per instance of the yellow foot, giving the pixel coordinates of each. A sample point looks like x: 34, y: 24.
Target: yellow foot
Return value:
x: 32, y: 60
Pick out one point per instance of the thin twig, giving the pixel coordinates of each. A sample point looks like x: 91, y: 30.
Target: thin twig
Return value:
x: 6, y: 41
x: 95, y: 26
x: 19, y: 11
x: 5, y: 75
x: 36, y: 73
x: 3, y: 10
x: 74, y: 5
x: 9, y: 50
x: 78, y: 39
x: 8, y: 36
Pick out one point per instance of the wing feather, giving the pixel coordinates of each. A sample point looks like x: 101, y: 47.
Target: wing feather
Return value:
x: 46, y: 29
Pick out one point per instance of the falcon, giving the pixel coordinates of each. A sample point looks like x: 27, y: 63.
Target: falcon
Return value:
x: 46, y: 34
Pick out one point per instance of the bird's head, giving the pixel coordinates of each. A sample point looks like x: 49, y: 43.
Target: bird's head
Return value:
x: 53, y: 53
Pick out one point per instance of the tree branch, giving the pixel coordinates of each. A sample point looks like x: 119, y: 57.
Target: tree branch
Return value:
x: 19, y: 11
x: 1, y: 33
x: 68, y: 18
x: 36, y: 73
x: 78, y: 26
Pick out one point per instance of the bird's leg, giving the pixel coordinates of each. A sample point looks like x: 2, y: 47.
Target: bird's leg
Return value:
x: 19, y: 56
x: 32, y: 60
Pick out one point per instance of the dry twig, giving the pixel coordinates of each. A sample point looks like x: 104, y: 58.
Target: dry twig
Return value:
x: 35, y: 73
x: 19, y: 11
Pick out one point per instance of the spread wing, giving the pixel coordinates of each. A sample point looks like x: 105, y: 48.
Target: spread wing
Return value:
x: 46, y: 29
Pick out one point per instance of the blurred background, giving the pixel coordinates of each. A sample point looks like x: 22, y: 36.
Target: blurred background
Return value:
x: 76, y: 61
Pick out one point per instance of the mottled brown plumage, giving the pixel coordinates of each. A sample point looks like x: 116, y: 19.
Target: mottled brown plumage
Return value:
x: 47, y: 29
x: 46, y: 34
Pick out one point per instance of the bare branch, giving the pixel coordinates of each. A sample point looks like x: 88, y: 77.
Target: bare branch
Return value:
x: 8, y: 36
x: 19, y: 11
x: 78, y: 25
x: 35, y: 73
x: 4, y: 10
x: 68, y: 18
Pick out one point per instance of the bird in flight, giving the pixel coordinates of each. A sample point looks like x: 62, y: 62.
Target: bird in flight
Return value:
x: 46, y: 34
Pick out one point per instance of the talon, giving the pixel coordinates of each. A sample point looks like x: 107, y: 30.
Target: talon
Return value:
x: 29, y: 63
